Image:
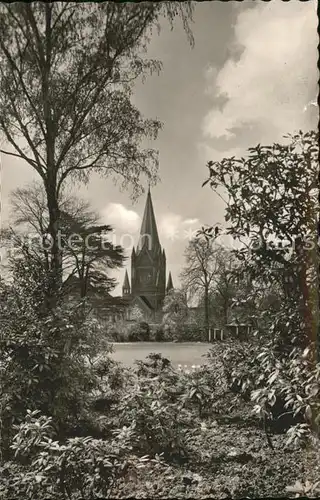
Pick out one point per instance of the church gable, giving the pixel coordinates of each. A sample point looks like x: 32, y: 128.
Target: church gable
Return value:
x: 139, y: 309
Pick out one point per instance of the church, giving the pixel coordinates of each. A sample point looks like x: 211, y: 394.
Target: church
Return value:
x: 148, y: 286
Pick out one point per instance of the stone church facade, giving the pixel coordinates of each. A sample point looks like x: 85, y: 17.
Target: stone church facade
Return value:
x: 144, y: 296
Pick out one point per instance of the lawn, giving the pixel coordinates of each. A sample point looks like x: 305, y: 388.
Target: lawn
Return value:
x: 186, y: 353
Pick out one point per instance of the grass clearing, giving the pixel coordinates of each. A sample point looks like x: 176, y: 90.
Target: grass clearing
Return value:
x: 180, y: 353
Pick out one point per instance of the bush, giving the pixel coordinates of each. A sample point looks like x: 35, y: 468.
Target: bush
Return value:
x: 159, y: 335
x: 283, y: 388
x: 139, y: 332
x: 157, y: 420
x: 288, y: 390
x: 79, y: 468
x: 154, y: 365
x: 45, y: 356
x: 119, y: 331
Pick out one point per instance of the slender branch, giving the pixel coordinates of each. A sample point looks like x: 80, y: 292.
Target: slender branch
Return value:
x: 21, y: 155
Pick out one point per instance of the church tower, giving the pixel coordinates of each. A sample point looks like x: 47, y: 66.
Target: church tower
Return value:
x: 148, y: 262
x: 148, y: 270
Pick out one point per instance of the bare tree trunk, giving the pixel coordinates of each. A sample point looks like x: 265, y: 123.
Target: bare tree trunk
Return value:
x: 225, y: 313
x: 206, y: 309
x: 55, y: 250
x: 306, y: 293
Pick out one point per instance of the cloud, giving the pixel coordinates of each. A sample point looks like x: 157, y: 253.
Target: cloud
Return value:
x: 170, y: 225
x: 173, y: 226
x: 267, y: 87
x: 191, y: 221
x: 121, y: 218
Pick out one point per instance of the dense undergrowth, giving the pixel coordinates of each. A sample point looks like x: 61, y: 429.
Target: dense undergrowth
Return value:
x: 161, y: 432
x: 75, y: 424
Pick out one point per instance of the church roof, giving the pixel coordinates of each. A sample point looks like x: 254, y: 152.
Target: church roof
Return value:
x: 146, y: 301
x: 149, y: 231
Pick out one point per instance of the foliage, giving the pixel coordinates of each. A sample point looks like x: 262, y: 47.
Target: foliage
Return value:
x: 87, y: 253
x: 139, y: 332
x: 175, y: 314
x: 155, y: 409
x: 275, y: 218
x: 198, y: 274
x: 45, y: 357
x: 199, y: 390
x: 158, y: 424
x: 159, y: 335
x: 153, y: 365
x: 293, y: 384
x: 118, y: 331
x: 136, y: 314
x: 284, y: 390
x: 67, y: 72
x: 227, y: 288
x: 123, y: 331
x: 80, y: 468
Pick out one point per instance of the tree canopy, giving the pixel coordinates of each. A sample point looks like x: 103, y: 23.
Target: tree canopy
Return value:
x: 272, y: 209
x: 66, y: 76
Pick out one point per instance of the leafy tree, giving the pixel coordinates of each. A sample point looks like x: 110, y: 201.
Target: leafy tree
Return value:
x: 67, y: 72
x: 200, y: 270
x: 44, y: 357
x: 87, y: 254
x: 29, y: 209
x: 271, y: 208
x: 272, y: 205
x: 175, y: 312
x: 223, y: 293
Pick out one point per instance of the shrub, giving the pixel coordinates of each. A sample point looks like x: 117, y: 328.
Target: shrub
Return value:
x: 45, y: 356
x: 199, y: 390
x: 119, y: 331
x: 139, y: 332
x: 283, y: 387
x: 290, y: 389
x: 79, y: 468
x: 158, y: 424
x: 154, y: 365
x: 159, y: 335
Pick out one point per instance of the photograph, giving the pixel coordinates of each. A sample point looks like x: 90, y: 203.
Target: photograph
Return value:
x: 159, y: 250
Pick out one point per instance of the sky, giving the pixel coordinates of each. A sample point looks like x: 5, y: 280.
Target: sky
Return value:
x: 250, y: 78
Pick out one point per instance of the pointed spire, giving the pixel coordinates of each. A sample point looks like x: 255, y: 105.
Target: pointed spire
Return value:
x: 169, y: 284
x: 126, y: 284
x: 149, y: 233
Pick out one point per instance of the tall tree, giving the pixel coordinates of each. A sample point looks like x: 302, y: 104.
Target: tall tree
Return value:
x: 272, y: 203
x: 175, y: 312
x: 87, y: 253
x: 223, y: 290
x: 200, y: 269
x: 66, y: 77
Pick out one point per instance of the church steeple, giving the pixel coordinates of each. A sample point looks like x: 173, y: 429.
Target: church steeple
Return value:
x: 149, y: 232
x: 169, y: 284
x: 126, y: 285
x: 148, y: 262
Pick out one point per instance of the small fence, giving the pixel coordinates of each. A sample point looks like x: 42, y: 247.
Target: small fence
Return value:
x: 240, y: 331
x: 193, y: 333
